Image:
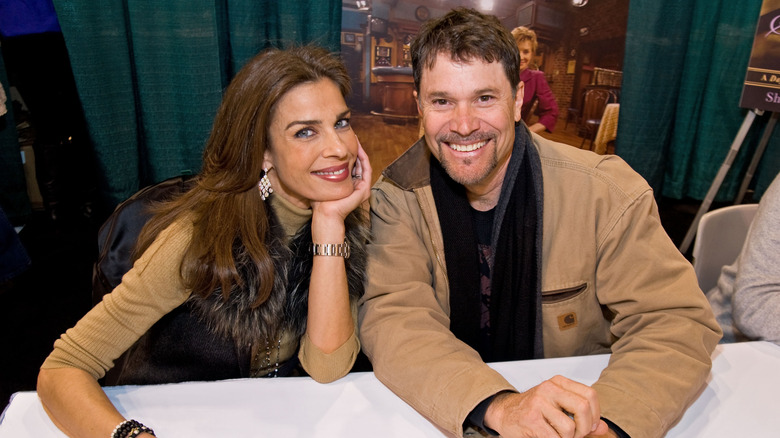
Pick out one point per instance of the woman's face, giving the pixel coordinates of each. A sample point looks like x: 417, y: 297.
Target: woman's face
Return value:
x: 312, y: 147
x: 526, y: 54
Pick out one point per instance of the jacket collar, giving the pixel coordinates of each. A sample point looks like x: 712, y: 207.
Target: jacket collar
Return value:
x: 411, y: 170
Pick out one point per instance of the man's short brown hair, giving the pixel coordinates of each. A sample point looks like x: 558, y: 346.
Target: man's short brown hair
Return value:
x: 466, y: 35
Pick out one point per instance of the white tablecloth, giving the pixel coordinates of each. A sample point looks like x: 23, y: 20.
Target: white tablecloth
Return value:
x: 740, y: 400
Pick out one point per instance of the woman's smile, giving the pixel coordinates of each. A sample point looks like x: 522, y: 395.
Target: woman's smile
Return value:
x: 335, y: 174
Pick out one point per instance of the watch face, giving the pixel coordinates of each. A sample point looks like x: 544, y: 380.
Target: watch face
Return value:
x: 422, y: 13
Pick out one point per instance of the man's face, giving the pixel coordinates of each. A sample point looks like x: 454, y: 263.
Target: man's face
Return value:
x: 469, y: 114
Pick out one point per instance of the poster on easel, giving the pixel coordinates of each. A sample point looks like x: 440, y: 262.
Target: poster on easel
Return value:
x: 761, y: 92
x: 762, y: 81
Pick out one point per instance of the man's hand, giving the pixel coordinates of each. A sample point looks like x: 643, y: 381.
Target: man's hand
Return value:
x: 558, y: 407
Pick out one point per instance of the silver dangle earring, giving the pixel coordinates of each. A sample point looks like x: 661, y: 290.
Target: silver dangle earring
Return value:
x: 265, y: 186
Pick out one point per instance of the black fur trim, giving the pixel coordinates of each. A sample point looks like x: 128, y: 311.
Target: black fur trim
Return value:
x: 235, y: 318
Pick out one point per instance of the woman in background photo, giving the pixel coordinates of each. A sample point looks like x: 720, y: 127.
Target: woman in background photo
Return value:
x: 536, y: 89
x: 253, y: 270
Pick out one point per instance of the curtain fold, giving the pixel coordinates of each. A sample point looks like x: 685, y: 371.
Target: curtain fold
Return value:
x: 684, y: 68
x: 150, y: 74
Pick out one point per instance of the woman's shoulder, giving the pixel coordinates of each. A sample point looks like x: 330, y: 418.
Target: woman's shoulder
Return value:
x: 172, y: 241
x: 535, y: 75
x: 179, y: 229
x: 533, y: 79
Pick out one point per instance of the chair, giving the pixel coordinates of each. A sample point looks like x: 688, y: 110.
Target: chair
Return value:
x: 116, y: 240
x: 119, y: 232
x: 607, y: 130
x: 573, y: 113
x: 719, y: 239
x: 596, y: 99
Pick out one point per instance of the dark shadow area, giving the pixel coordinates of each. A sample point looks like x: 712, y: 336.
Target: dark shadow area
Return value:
x: 45, y: 300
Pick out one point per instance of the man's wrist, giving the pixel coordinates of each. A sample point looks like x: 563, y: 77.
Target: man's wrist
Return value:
x: 476, y: 417
x: 619, y: 433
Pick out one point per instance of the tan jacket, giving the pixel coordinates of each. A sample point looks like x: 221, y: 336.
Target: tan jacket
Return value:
x: 612, y: 281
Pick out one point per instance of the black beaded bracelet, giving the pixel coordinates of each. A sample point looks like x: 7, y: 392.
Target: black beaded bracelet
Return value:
x: 130, y: 429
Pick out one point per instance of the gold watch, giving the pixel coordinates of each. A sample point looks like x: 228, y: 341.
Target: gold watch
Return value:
x: 331, y: 249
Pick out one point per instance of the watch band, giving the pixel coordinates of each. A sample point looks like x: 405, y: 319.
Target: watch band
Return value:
x: 331, y: 249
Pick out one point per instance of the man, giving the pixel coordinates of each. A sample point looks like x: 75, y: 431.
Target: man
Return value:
x: 491, y: 244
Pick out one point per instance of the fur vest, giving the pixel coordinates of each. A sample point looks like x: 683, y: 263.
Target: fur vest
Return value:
x: 211, y: 338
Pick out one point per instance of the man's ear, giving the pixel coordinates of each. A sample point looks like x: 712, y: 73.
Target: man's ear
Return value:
x: 417, y: 102
x: 519, y: 101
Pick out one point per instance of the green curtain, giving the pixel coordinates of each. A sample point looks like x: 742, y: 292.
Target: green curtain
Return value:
x: 150, y: 73
x: 684, y: 67
x: 13, y: 187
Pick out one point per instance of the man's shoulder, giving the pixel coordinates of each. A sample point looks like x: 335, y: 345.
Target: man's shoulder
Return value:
x: 552, y: 152
x: 559, y: 160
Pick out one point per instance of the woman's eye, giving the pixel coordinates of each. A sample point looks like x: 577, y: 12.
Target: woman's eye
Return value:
x: 304, y: 133
x: 343, y: 123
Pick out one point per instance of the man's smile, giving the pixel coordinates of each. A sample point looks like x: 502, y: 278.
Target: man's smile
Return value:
x: 466, y: 147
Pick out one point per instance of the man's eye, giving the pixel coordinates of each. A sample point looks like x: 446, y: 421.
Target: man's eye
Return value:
x: 304, y: 133
x: 440, y: 102
x: 343, y: 123
x: 485, y: 98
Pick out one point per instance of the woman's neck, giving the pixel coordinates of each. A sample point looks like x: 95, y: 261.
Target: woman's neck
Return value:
x: 291, y: 217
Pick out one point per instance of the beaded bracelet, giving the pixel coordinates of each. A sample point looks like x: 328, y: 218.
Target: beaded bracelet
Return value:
x: 130, y: 429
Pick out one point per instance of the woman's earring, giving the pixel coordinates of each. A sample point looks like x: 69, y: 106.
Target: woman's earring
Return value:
x: 265, y: 186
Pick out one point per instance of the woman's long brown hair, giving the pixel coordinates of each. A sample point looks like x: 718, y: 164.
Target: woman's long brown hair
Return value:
x: 230, y: 219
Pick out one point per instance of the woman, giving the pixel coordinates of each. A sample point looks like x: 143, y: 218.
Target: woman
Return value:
x: 535, y: 85
x: 237, y: 277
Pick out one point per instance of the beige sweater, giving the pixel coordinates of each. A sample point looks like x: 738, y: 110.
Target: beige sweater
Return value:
x: 153, y: 287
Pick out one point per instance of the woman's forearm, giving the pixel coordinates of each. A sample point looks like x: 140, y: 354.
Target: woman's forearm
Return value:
x: 537, y: 127
x: 76, y: 403
x: 329, y: 322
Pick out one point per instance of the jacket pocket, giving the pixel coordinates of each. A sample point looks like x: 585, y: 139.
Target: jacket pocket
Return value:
x: 559, y: 295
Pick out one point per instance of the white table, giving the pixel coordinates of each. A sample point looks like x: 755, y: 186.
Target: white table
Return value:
x: 740, y: 399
